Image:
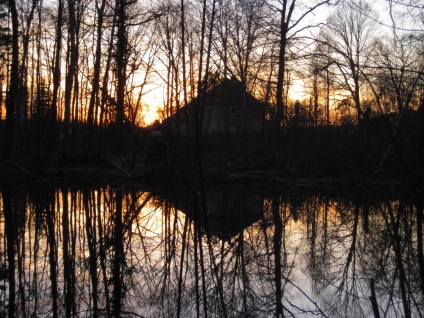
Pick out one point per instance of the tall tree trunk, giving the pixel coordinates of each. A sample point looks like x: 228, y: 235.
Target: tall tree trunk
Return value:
x: 327, y: 99
x: 121, y: 64
x: 316, y: 95
x: 419, y: 199
x: 183, y: 51
x: 420, y: 140
x: 286, y: 13
x: 202, y: 83
x: 244, y: 72
x: 12, y: 98
x: 104, y: 88
x: 70, y: 73
x: 24, y: 72
x: 56, y: 79
x: 197, y: 124
x: 225, y: 61
x: 356, y: 96
x: 281, y: 68
x: 94, y: 96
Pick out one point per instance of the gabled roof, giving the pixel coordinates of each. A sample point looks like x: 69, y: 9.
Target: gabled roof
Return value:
x: 230, y: 91
x: 227, y: 92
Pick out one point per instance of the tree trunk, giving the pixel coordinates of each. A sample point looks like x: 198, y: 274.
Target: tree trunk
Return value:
x: 106, y: 74
x: 286, y: 14
x: 24, y: 73
x: 327, y: 99
x: 281, y: 72
x: 56, y: 79
x: 12, y: 99
x: 70, y: 73
x: 183, y: 49
x: 92, y: 112
x: 420, y: 141
x: 121, y: 64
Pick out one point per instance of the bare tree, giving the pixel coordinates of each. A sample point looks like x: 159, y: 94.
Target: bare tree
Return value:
x: 242, y: 29
x: 319, y: 81
x: 398, y: 73
x: 349, y: 33
x: 291, y: 14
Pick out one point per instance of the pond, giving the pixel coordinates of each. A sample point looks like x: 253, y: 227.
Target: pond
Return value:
x: 134, y: 251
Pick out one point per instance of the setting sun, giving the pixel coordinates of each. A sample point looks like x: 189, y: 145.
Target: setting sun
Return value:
x: 152, y: 104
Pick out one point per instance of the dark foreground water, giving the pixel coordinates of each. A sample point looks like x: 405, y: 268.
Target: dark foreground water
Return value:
x: 132, y: 252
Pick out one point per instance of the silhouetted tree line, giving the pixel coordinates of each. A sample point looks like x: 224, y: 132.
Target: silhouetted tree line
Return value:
x: 75, y: 74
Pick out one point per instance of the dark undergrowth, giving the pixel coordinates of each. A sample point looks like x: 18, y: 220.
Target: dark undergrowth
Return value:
x: 324, y: 155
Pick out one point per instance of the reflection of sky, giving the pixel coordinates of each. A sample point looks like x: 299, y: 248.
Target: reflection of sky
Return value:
x: 160, y: 246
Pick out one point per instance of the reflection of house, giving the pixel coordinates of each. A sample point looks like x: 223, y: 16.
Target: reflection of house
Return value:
x: 228, y: 212
x: 227, y: 108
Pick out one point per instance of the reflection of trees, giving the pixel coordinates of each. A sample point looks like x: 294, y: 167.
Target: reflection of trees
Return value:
x: 11, y: 237
x: 354, y: 243
x: 104, y: 252
x: 71, y: 250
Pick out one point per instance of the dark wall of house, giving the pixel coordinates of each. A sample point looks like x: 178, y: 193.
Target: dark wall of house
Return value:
x: 225, y: 108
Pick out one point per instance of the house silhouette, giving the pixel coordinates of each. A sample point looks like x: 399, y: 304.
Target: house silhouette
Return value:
x: 225, y: 108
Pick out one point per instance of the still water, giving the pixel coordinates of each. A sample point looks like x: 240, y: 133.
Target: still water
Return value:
x: 131, y: 251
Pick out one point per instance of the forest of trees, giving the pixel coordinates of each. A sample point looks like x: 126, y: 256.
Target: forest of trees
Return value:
x: 73, y: 69
x: 76, y: 80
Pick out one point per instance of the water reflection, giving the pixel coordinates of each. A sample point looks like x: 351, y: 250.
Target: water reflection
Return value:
x: 129, y: 252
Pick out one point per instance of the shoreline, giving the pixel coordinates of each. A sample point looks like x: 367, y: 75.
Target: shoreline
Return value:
x: 13, y: 173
